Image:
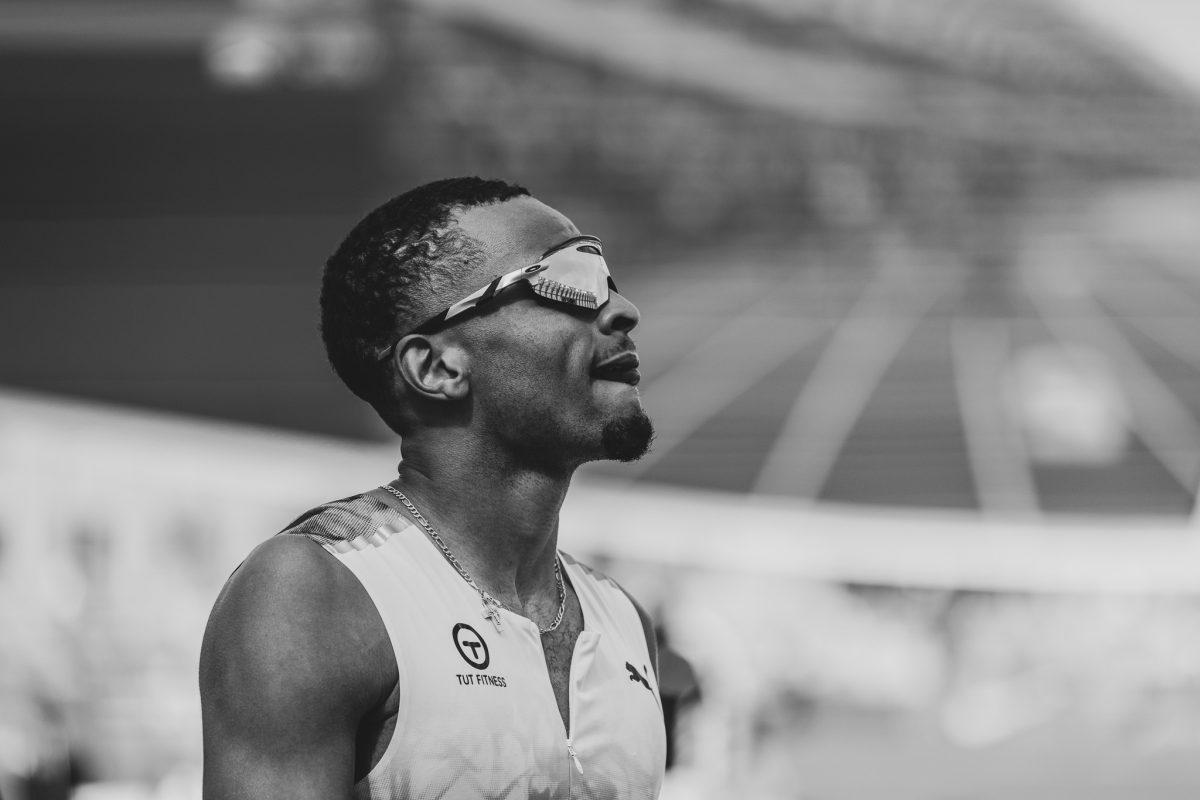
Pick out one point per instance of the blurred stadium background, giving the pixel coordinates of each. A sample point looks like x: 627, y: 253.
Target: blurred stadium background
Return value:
x: 920, y: 295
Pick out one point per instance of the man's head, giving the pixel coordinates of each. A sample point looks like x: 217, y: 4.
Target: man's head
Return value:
x: 543, y: 381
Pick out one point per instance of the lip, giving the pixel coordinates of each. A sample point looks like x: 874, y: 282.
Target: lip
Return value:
x: 622, y: 367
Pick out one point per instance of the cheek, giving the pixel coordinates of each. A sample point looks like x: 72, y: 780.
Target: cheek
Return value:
x: 560, y: 370
x: 532, y: 364
x: 532, y: 354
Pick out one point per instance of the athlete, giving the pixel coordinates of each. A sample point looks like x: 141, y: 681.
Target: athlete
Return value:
x: 426, y: 638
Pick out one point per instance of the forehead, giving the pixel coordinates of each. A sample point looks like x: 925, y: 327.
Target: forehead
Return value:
x: 514, y: 233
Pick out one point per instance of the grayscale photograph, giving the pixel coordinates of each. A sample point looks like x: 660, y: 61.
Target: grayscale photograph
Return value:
x: 585, y: 400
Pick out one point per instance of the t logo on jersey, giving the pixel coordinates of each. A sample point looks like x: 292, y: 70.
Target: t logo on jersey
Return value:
x: 634, y: 675
x: 471, y: 646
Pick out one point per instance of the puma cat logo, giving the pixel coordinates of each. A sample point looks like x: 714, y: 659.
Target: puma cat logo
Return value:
x: 634, y: 675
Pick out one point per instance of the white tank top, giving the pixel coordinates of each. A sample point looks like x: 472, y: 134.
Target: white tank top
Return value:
x: 478, y: 717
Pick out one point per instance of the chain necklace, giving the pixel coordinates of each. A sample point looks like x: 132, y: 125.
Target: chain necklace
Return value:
x: 491, y: 606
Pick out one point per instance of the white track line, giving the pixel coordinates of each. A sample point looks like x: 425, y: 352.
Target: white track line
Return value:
x: 996, y: 452
x: 718, y: 369
x: 862, y: 348
x: 1160, y: 418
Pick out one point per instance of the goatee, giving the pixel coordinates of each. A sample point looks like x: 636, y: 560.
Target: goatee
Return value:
x: 628, y: 438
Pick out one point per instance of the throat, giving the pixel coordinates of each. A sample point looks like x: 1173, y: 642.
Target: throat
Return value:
x: 506, y: 539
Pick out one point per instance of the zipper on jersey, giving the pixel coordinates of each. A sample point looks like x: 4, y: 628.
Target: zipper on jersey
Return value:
x: 574, y: 756
x: 573, y: 708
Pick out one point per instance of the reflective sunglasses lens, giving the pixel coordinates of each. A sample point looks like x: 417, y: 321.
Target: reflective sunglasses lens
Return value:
x: 575, y: 276
x: 551, y: 289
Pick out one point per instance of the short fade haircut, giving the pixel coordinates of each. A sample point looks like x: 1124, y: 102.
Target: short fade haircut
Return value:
x: 389, y: 267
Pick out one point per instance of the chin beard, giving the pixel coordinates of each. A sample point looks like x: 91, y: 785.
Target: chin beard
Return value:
x: 628, y: 438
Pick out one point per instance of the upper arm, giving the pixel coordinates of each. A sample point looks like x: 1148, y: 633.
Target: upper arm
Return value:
x: 293, y: 658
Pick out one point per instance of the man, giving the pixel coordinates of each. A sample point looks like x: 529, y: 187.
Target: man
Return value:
x: 427, y: 639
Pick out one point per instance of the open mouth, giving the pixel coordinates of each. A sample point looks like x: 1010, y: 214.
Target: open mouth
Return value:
x: 622, y: 368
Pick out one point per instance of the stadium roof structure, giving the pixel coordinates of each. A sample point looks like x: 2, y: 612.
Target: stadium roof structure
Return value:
x: 1024, y: 74
x: 1020, y: 72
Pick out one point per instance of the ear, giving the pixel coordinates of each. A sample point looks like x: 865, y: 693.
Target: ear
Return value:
x: 433, y: 368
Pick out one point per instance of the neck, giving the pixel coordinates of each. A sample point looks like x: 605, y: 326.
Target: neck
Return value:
x: 499, y: 520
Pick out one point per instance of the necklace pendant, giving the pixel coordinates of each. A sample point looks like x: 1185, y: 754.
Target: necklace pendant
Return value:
x: 491, y: 613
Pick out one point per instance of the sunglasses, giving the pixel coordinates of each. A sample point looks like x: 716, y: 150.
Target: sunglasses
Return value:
x: 573, y: 274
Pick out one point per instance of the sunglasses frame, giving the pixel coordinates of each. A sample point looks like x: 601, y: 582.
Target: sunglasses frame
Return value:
x: 486, y: 294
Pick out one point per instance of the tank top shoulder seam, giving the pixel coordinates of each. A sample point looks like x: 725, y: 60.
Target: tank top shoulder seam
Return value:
x: 340, y: 520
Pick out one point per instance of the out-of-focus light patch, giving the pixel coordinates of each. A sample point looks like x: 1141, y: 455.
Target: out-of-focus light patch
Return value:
x: 330, y: 51
x: 247, y: 54
x: 1069, y: 404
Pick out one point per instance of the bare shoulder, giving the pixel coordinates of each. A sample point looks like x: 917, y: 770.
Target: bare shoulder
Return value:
x: 294, y: 657
x: 292, y: 603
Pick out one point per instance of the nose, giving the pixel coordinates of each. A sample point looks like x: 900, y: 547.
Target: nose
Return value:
x: 618, y: 315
